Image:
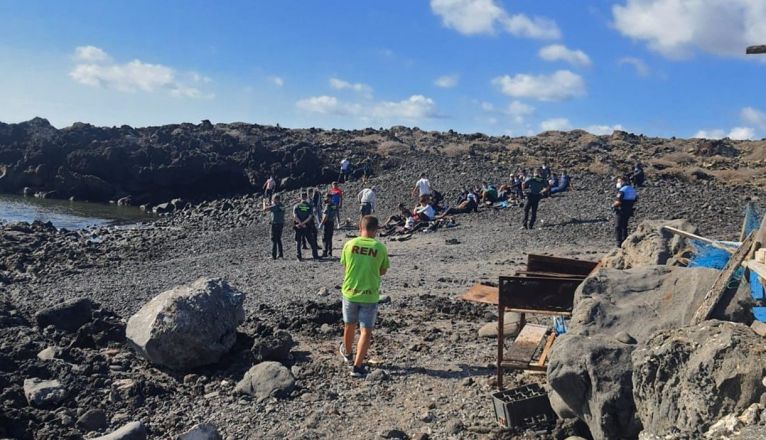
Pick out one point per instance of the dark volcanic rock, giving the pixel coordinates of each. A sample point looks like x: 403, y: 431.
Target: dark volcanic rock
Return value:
x: 68, y: 316
x: 273, y: 348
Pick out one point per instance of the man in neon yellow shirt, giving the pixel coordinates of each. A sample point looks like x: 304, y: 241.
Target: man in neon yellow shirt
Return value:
x: 364, y: 260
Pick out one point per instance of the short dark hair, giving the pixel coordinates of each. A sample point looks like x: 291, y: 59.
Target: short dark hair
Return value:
x: 369, y: 223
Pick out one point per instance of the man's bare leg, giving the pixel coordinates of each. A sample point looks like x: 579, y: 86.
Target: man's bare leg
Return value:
x: 362, y: 346
x: 349, y: 331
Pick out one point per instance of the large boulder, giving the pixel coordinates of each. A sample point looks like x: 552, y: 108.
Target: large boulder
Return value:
x: 267, y: 379
x: 68, y: 315
x: 684, y: 380
x: 188, y: 326
x: 590, y: 367
x: 650, y: 245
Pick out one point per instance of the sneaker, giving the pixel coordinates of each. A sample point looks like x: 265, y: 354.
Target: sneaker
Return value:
x: 346, y: 357
x: 359, y: 371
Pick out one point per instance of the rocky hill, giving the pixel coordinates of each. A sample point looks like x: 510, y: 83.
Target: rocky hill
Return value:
x: 155, y: 164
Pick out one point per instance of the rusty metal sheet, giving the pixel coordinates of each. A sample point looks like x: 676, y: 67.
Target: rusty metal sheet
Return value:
x: 481, y: 293
x: 544, y: 263
x: 538, y: 293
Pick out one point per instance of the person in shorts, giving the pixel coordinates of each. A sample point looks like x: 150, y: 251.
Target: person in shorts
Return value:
x: 366, y: 198
x: 269, y: 187
x: 364, y: 261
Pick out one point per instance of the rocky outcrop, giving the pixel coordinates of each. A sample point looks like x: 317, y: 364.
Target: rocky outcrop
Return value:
x: 650, y: 245
x: 590, y: 367
x: 684, y: 380
x: 68, y: 316
x: 188, y: 326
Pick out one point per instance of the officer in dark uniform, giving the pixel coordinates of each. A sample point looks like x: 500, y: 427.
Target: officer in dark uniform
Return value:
x: 328, y: 225
x: 623, y: 208
x: 535, y: 188
x: 305, y: 226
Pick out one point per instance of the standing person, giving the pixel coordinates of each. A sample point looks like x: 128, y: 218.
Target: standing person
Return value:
x: 327, y: 224
x: 277, y: 220
x: 366, y: 169
x: 336, y: 198
x: 545, y: 171
x: 344, y: 170
x: 638, y: 176
x: 364, y: 260
x: 269, y: 187
x: 305, y: 227
x: 422, y: 187
x: 316, y: 203
x: 536, y: 187
x: 623, y: 208
x: 366, y: 198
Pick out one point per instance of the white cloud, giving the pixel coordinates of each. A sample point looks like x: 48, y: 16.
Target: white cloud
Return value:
x: 559, y: 124
x: 560, y: 86
x: 413, y: 108
x: 327, y: 105
x: 637, y: 63
x: 90, y: 54
x: 487, y: 106
x: 736, y: 133
x: 135, y: 76
x: 519, y: 111
x: 678, y: 28
x: 447, y: 81
x: 559, y: 52
x: 361, y: 88
x: 277, y: 80
x: 754, y: 116
x: 472, y: 17
x: 600, y: 130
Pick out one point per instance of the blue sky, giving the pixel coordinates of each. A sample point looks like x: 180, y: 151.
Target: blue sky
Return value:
x: 658, y: 67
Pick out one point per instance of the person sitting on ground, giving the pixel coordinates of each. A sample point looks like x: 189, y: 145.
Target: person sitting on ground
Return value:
x: 553, y: 181
x: 564, y: 183
x: 468, y: 205
x: 366, y: 198
x: 504, y: 193
x: 364, y: 261
x: 399, y: 219
x: 488, y: 193
x: 436, y: 200
x: 425, y: 211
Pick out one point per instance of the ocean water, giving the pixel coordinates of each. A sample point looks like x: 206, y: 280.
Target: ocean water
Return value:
x: 66, y: 214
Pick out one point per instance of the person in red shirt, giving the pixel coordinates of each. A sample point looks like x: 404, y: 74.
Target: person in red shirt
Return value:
x: 336, y: 198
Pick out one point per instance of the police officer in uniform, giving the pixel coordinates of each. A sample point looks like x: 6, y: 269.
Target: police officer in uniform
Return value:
x: 535, y: 187
x: 623, y: 208
x: 305, y: 226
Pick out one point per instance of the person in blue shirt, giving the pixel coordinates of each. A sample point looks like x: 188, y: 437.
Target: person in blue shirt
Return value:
x: 623, y: 208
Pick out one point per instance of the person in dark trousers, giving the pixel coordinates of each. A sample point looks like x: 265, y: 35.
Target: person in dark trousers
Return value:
x: 328, y: 226
x: 535, y: 188
x: 305, y: 226
x: 277, y: 220
x: 638, y: 177
x: 623, y: 208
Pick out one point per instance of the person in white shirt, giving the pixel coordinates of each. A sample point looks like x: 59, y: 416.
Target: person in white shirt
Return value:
x: 422, y: 187
x: 367, y: 199
x: 344, y: 166
x: 424, y: 211
x: 269, y: 187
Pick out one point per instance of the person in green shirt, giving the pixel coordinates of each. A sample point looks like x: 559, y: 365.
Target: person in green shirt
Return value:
x: 364, y: 261
x: 277, y: 220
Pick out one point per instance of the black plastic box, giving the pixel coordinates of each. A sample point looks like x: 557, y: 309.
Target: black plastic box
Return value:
x: 523, y: 407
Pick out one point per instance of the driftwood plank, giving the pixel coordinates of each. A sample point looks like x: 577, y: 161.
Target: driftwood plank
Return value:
x: 719, y: 286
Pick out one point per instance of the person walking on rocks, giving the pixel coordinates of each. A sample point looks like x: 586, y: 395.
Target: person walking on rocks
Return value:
x: 336, y: 198
x: 316, y: 203
x: 345, y: 164
x: 535, y: 187
x: 364, y: 261
x: 422, y: 187
x: 305, y: 226
x: 623, y: 208
x: 366, y: 198
x: 327, y: 223
x: 269, y: 187
x: 277, y: 220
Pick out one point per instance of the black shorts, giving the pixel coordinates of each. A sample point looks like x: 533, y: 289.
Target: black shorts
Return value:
x: 365, y: 209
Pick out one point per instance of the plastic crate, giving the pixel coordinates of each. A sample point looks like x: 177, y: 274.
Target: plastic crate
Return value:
x: 523, y: 407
